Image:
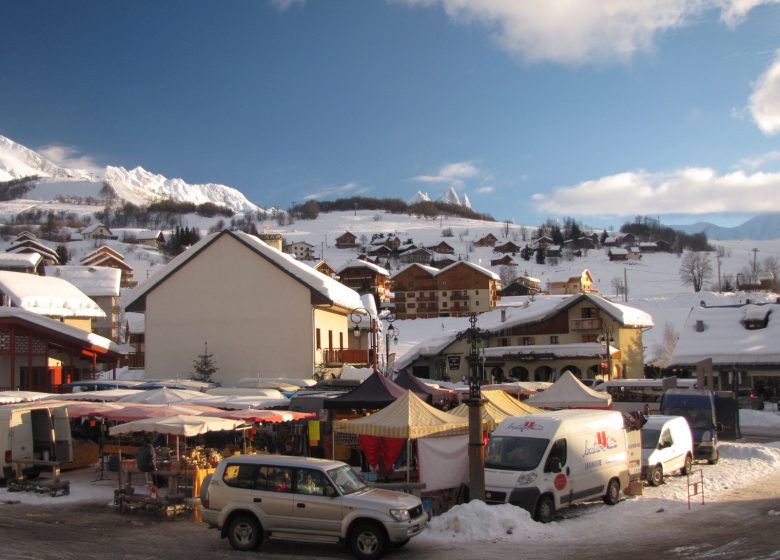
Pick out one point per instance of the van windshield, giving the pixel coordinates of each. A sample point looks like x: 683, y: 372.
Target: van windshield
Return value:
x: 515, y: 453
x: 698, y: 418
x: 650, y: 438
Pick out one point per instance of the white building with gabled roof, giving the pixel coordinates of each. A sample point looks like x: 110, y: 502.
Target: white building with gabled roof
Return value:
x: 261, y: 312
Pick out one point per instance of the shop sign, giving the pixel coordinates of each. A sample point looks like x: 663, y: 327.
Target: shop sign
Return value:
x: 453, y: 362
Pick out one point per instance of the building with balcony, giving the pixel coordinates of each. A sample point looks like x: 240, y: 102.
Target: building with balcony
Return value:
x: 586, y: 334
x: 366, y: 278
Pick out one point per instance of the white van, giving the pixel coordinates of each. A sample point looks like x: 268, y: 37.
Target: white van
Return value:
x: 548, y: 461
x: 667, y: 446
x: 33, y: 432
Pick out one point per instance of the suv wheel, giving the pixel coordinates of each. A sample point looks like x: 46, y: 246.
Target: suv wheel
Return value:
x: 367, y: 541
x: 244, y: 533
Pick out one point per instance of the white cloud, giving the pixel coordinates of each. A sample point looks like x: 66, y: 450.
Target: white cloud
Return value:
x: 340, y: 190
x: 765, y: 100
x: 283, y: 5
x: 583, y: 31
x: 451, y: 173
x: 758, y: 162
x: 69, y: 157
x: 688, y: 191
x: 485, y: 190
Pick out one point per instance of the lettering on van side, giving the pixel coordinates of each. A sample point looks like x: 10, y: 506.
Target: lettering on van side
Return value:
x: 602, y: 443
x: 530, y: 425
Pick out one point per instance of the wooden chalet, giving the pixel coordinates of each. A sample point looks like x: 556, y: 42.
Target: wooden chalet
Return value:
x: 324, y: 268
x: 508, y: 247
x: 443, y: 248
x: 506, y: 260
x: 97, y: 231
x: 420, y: 256
x: 522, y: 286
x: 346, y: 240
x: 489, y: 240
x: 415, y: 292
x: 582, y: 284
x: 48, y: 255
x: 617, y: 254
x: 366, y: 277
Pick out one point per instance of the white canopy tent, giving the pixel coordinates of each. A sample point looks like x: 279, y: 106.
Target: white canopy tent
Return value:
x: 569, y: 392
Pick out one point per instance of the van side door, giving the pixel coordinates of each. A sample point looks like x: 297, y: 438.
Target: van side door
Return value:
x: 561, y: 481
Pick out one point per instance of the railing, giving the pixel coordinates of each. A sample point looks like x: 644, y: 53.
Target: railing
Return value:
x: 586, y: 324
x: 344, y: 356
x: 459, y: 297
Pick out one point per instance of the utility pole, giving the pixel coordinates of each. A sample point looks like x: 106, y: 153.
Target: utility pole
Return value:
x: 625, y: 284
x: 719, y: 287
x: 755, y: 270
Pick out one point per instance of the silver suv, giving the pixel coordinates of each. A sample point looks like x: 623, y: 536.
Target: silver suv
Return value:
x: 250, y: 497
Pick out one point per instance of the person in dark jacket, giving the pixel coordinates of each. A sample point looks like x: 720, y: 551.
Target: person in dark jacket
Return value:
x: 146, y: 458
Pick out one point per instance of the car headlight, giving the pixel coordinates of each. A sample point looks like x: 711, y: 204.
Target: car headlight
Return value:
x: 400, y: 514
x: 706, y: 437
x: 526, y: 479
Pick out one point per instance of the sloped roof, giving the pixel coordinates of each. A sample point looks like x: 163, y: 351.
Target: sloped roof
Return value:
x: 332, y: 291
x: 19, y: 260
x: 45, y: 295
x: 432, y: 394
x: 408, y: 417
x: 498, y: 405
x: 569, y: 392
x: 481, y: 270
x: 93, y: 281
x: 359, y: 263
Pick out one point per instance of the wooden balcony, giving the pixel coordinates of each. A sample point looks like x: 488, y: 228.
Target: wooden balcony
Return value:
x: 340, y: 356
x: 586, y: 324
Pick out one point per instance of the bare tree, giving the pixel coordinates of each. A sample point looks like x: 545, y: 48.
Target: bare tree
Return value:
x: 695, y: 269
x: 508, y: 274
x: 618, y: 285
x: 662, y: 352
x: 771, y: 266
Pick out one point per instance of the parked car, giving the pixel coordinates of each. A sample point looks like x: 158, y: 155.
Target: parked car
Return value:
x: 698, y: 408
x: 251, y: 497
x: 667, y: 446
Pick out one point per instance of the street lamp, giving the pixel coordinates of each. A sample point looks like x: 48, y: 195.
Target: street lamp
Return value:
x: 391, y: 334
x: 474, y: 335
x: 356, y: 316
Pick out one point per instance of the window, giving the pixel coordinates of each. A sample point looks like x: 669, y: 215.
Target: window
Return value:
x: 590, y: 338
x: 309, y: 481
x: 444, y: 304
x: 444, y: 294
x: 558, y: 451
x: 477, y: 303
x: 330, y: 339
x: 527, y: 341
x: 504, y: 342
x: 554, y: 339
x: 319, y: 340
x: 240, y: 476
x: 588, y: 312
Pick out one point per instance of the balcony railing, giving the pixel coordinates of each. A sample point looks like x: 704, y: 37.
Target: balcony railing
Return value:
x: 459, y: 297
x: 334, y: 356
x: 586, y: 324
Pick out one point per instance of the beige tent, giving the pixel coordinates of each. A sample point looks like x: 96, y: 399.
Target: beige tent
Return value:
x: 498, y: 405
x: 407, y: 417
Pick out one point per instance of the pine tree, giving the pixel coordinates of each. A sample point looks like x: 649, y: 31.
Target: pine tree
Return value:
x: 204, y: 366
x: 540, y: 256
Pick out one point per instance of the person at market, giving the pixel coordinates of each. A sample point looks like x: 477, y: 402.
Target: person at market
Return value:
x: 146, y: 458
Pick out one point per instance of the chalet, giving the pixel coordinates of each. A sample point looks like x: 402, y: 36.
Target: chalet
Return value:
x: 722, y: 334
x: 443, y: 248
x: 617, y: 254
x: 296, y: 323
x: 634, y: 254
x: 30, y: 246
x: 415, y: 292
x: 663, y: 246
x: 542, y: 242
x: 150, y: 238
x: 324, y: 268
x: 300, y: 250
x: 421, y: 256
x: 107, y: 257
x: 626, y: 240
x: 552, y: 251
x: 381, y: 251
x: 648, y: 247
x: 53, y: 297
x: 548, y: 335
x: 394, y: 243
x: 583, y: 242
x: 442, y: 263
x: 22, y: 235
x: 101, y: 285
x: 489, y: 240
x: 506, y: 260
x: 99, y: 253
x: 508, y: 247
x: 522, y: 286
x: 20, y: 262
x: 365, y: 277
x: 97, y: 231
x: 346, y: 240
x: 39, y: 353
x: 582, y: 284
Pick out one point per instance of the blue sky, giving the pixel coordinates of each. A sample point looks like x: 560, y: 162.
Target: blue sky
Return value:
x: 597, y: 109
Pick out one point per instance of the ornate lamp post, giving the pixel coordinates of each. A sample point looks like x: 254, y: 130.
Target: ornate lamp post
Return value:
x: 605, y: 338
x: 356, y: 316
x: 474, y: 335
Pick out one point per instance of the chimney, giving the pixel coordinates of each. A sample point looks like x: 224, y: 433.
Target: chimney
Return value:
x: 699, y: 325
x: 503, y: 315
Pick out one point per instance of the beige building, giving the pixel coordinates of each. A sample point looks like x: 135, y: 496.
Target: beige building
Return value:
x: 584, y: 333
x: 261, y: 312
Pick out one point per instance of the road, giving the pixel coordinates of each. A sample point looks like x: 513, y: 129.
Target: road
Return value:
x: 741, y: 524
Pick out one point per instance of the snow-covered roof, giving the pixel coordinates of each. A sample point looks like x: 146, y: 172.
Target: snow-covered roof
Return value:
x: 359, y: 263
x: 102, y: 259
x: 724, y: 337
x: 46, y: 295
x: 19, y: 260
x: 332, y: 290
x: 534, y: 311
x: 93, y: 227
x: 31, y: 244
x: 148, y: 234
x: 103, y: 249
x: 617, y: 251
x: 93, y: 281
x: 429, y: 269
x: 94, y: 340
x: 579, y: 350
x: 481, y: 270
x: 136, y: 322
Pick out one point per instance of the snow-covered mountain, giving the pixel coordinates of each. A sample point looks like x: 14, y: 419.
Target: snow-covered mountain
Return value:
x: 138, y: 186
x: 420, y: 197
x: 763, y: 226
x: 450, y: 197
